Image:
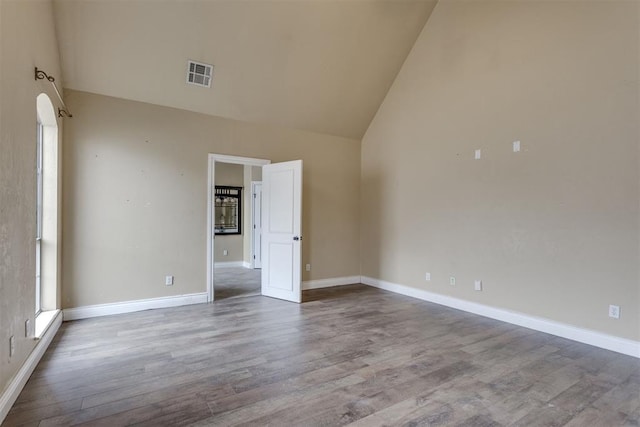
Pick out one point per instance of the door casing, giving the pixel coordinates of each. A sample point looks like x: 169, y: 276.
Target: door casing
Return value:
x: 256, y: 223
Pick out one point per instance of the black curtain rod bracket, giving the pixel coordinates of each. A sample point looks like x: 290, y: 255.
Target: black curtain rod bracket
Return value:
x: 64, y: 113
x: 41, y: 75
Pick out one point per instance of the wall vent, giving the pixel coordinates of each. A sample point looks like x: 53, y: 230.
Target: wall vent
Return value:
x: 199, y: 74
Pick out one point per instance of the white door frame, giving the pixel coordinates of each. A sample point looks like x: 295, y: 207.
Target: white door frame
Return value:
x: 211, y: 185
x: 254, y: 219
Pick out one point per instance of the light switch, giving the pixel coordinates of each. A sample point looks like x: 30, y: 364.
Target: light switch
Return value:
x: 516, y: 146
x: 478, y: 154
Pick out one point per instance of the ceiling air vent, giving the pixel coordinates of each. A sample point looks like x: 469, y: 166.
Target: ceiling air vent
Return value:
x: 199, y: 74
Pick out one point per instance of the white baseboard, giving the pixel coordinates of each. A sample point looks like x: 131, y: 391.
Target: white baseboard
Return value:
x: 227, y: 264
x: 11, y: 393
x: 131, y: 306
x: 327, y: 283
x: 586, y: 336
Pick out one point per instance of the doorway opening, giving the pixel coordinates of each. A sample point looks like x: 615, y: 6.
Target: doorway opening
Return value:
x: 281, y: 228
x: 232, y: 270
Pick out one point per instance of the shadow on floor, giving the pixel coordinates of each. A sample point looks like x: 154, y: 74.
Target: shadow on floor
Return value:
x: 333, y: 292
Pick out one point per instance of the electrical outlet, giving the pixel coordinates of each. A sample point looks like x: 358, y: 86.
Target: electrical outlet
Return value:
x: 427, y: 277
x: 614, y: 311
x: 168, y: 280
x: 12, y: 346
x: 225, y: 252
x: 27, y: 323
x: 478, y: 154
x: 452, y: 280
x: 477, y: 285
x: 307, y: 267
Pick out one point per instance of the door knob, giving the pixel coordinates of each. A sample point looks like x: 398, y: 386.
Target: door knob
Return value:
x: 296, y: 238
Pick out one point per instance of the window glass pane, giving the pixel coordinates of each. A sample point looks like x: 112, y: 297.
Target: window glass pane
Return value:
x: 39, y: 182
x: 39, y: 200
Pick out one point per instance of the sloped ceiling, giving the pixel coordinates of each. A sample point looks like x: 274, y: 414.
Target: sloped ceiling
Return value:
x: 318, y: 65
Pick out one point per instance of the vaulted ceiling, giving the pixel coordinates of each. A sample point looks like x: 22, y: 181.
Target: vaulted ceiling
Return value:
x: 318, y: 65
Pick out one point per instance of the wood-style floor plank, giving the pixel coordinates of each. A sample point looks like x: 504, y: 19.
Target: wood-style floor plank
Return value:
x: 351, y: 355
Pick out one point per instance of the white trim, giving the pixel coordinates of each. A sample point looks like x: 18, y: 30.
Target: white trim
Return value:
x: 249, y: 161
x: 11, y: 393
x: 327, y: 283
x: 210, y: 240
x: 44, y: 319
x: 254, y: 230
x: 586, y: 336
x: 211, y: 175
x: 228, y: 264
x: 131, y: 306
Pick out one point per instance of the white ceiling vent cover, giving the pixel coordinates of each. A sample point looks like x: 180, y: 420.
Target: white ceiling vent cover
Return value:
x: 199, y: 74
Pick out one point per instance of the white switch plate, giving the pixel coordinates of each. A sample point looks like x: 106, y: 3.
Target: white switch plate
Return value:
x: 477, y: 285
x: 478, y: 154
x: 516, y: 146
x: 427, y: 277
x: 26, y: 328
x: 614, y: 311
x: 168, y: 280
x: 452, y: 280
x: 12, y: 346
x: 225, y: 252
x: 307, y: 267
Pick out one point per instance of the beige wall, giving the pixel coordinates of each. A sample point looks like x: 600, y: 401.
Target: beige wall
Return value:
x: 27, y: 40
x: 553, y: 230
x: 135, y: 194
x: 231, y: 175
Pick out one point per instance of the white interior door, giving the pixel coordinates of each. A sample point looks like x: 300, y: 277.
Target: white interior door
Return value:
x: 256, y: 219
x: 281, y: 230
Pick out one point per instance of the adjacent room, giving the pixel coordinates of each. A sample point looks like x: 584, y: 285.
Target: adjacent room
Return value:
x: 237, y: 256
x: 320, y: 212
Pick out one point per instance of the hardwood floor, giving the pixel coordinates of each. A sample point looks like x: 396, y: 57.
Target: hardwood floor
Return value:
x: 232, y: 282
x: 348, y: 355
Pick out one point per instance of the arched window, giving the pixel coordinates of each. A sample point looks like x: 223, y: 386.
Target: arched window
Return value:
x: 46, y: 206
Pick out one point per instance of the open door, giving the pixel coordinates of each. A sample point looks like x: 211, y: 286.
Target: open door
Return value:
x: 281, y: 230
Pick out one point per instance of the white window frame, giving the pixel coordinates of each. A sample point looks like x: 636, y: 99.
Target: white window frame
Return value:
x: 39, y: 203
